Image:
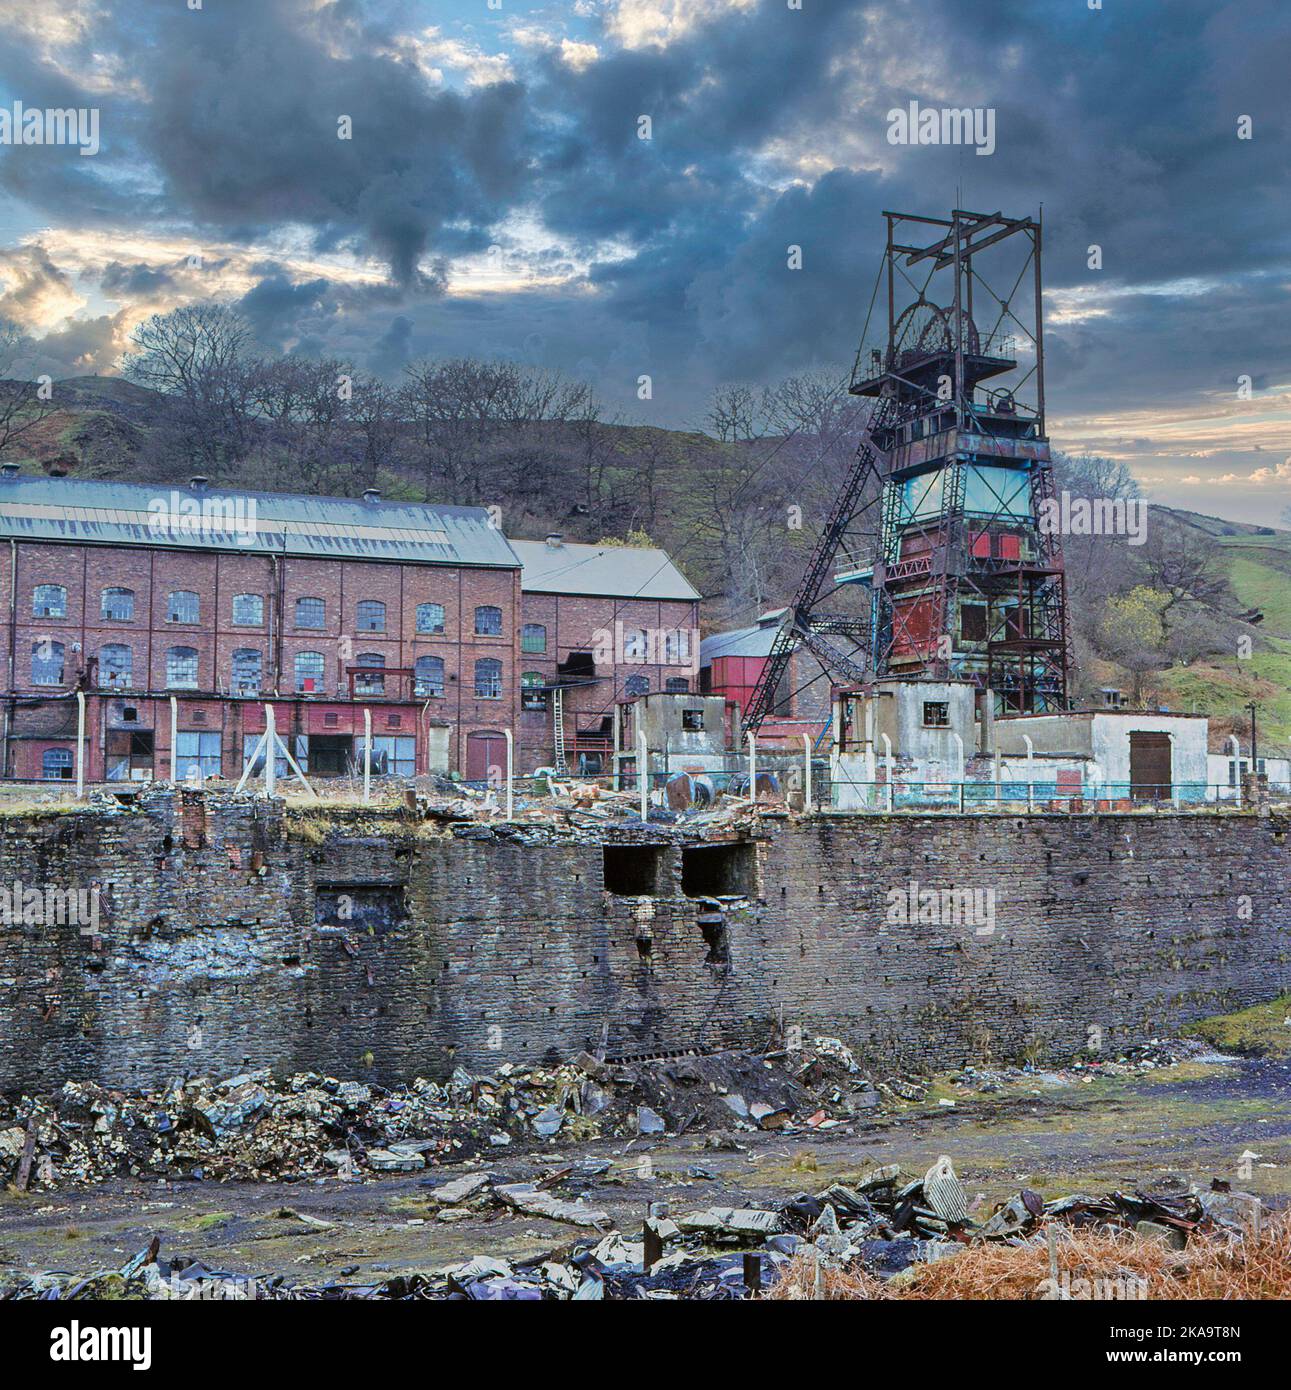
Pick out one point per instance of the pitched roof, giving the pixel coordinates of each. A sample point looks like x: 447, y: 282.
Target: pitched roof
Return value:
x: 112, y: 513
x: 608, y: 571
x: 756, y: 640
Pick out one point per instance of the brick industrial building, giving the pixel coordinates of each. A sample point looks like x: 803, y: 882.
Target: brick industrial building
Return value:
x: 421, y: 614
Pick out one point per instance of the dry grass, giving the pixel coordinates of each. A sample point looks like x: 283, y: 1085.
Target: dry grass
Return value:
x: 1110, y: 1264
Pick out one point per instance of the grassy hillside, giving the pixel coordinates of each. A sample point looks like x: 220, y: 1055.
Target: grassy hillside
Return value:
x: 1258, y: 563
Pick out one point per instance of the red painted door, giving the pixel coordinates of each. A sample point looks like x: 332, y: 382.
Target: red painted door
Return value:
x: 485, y: 751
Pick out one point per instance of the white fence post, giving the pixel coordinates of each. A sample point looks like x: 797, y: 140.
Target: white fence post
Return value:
x: 80, y: 744
x: 643, y: 775
x: 270, y: 750
x: 506, y: 733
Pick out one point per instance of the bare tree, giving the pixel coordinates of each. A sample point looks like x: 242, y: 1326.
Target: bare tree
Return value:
x: 22, y: 403
x: 197, y: 355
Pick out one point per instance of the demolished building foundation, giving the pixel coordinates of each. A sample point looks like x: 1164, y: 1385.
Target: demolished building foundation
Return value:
x: 235, y: 933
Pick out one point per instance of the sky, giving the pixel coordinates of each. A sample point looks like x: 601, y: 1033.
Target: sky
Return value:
x: 383, y: 180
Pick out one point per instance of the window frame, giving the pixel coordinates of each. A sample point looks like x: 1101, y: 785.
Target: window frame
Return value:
x: 321, y: 624
x: 58, y: 652
x: 297, y: 678
x: 418, y: 686
x: 128, y: 682
x: 235, y: 621
x: 117, y: 591
x: 174, y: 594
x: 487, y: 608
x: 374, y: 610
x: 479, y: 672
x: 38, y: 612
x: 196, y: 659
x: 427, y: 607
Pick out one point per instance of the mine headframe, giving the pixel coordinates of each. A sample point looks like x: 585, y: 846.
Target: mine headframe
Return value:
x: 950, y: 495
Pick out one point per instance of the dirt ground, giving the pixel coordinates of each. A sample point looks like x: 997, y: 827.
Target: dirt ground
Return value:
x: 1195, y: 1121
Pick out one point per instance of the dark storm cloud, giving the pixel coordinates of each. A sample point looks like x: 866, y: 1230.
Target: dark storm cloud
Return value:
x: 1122, y: 122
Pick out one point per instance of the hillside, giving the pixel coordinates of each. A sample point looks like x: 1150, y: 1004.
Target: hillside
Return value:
x: 716, y: 507
x: 1257, y: 561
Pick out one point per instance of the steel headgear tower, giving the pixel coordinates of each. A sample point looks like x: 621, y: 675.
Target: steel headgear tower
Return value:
x: 947, y: 515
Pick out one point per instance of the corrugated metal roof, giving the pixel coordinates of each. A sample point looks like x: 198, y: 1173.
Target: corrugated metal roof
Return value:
x: 606, y: 571
x: 743, y: 641
x: 110, y: 513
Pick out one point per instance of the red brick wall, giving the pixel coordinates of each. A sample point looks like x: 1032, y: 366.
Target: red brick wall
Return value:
x: 574, y: 623
x: 216, y: 577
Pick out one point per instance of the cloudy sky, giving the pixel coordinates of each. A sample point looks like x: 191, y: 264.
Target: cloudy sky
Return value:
x: 495, y: 197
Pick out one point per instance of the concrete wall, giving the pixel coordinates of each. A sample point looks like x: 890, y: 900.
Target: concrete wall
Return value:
x: 479, y: 946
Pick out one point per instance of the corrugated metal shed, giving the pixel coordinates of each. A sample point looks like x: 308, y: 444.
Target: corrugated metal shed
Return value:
x: 338, y: 528
x: 742, y: 641
x: 610, y: 571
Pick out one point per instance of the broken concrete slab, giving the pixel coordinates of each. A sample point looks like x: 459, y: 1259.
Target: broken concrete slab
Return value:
x: 531, y: 1200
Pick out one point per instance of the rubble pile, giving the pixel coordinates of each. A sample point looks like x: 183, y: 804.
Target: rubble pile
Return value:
x: 254, y: 1127
x: 883, y: 1225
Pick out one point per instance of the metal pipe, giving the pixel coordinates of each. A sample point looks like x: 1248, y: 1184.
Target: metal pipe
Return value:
x: 889, y: 764
x: 1237, y: 768
x: 80, y: 744
x: 753, y: 766
x: 174, y: 740
x: 806, y: 772
x: 506, y: 734
x: 1030, y: 772
x: 367, y: 756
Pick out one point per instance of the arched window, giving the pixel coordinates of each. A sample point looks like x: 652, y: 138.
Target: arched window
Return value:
x: 49, y: 601
x: 371, y: 615
x: 116, y: 664
x: 181, y: 668
x: 676, y: 646
x: 637, y: 685
x: 488, y: 621
x: 46, y: 662
x: 183, y: 606
x: 56, y: 764
x: 532, y: 694
x: 430, y: 617
x: 488, y: 679
x: 247, y: 666
x: 636, y: 645
x: 677, y: 685
x: 371, y: 681
x: 311, y: 612
x: 428, y: 675
x: 248, y: 610
x: 533, y: 638
x: 309, y: 672
x: 117, y: 605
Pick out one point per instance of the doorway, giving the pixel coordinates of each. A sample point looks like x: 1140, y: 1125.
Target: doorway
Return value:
x: 1151, y: 776
x: 485, y: 751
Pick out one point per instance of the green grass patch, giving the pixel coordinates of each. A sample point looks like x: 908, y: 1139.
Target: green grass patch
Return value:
x: 1261, y: 1031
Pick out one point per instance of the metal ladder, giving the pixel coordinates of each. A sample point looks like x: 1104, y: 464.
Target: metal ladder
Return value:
x: 558, y: 728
